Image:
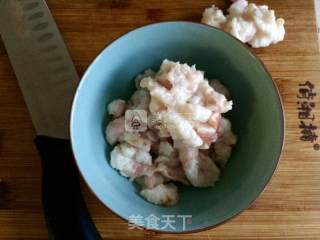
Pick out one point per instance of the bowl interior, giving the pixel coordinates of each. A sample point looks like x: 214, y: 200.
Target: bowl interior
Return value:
x: 257, y: 120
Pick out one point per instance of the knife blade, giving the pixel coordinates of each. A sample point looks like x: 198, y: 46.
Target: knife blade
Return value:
x: 48, y: 80
x: 45, y: 72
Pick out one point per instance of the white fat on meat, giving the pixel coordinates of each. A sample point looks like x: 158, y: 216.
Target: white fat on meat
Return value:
x: 223, y: 147
x: 163, y: 194
x: 117, y: 107
x: 135, y: 139
x: 125, y: 159
x: 254, y: 24
x: 200, y: 170
x: 115, y: 130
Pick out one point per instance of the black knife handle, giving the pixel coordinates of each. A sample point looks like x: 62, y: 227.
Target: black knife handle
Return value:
x: 66, y: 214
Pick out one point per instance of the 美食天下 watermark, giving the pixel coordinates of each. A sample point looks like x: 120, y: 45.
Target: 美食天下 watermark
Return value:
x: 163, y: 222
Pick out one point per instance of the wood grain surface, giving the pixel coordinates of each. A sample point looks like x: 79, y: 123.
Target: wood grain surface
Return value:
x: 290, y: 206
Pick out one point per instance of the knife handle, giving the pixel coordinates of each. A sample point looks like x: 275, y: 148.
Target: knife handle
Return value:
x: 66, y: 214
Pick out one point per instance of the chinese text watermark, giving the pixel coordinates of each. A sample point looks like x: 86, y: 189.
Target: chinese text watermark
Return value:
x: 163, y: 222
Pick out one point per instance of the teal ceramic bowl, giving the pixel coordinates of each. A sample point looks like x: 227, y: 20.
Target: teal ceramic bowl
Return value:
x: 257, y: 119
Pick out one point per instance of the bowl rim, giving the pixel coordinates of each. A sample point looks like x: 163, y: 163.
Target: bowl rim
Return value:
x: 280, y: 106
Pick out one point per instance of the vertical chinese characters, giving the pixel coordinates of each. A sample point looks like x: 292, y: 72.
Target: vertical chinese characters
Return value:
x: 306, y: 104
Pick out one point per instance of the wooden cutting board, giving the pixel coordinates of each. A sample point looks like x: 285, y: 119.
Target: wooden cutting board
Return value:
x: 290, y: 206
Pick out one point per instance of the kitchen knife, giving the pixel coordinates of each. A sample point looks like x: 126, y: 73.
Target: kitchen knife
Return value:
x: 48, y: 80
